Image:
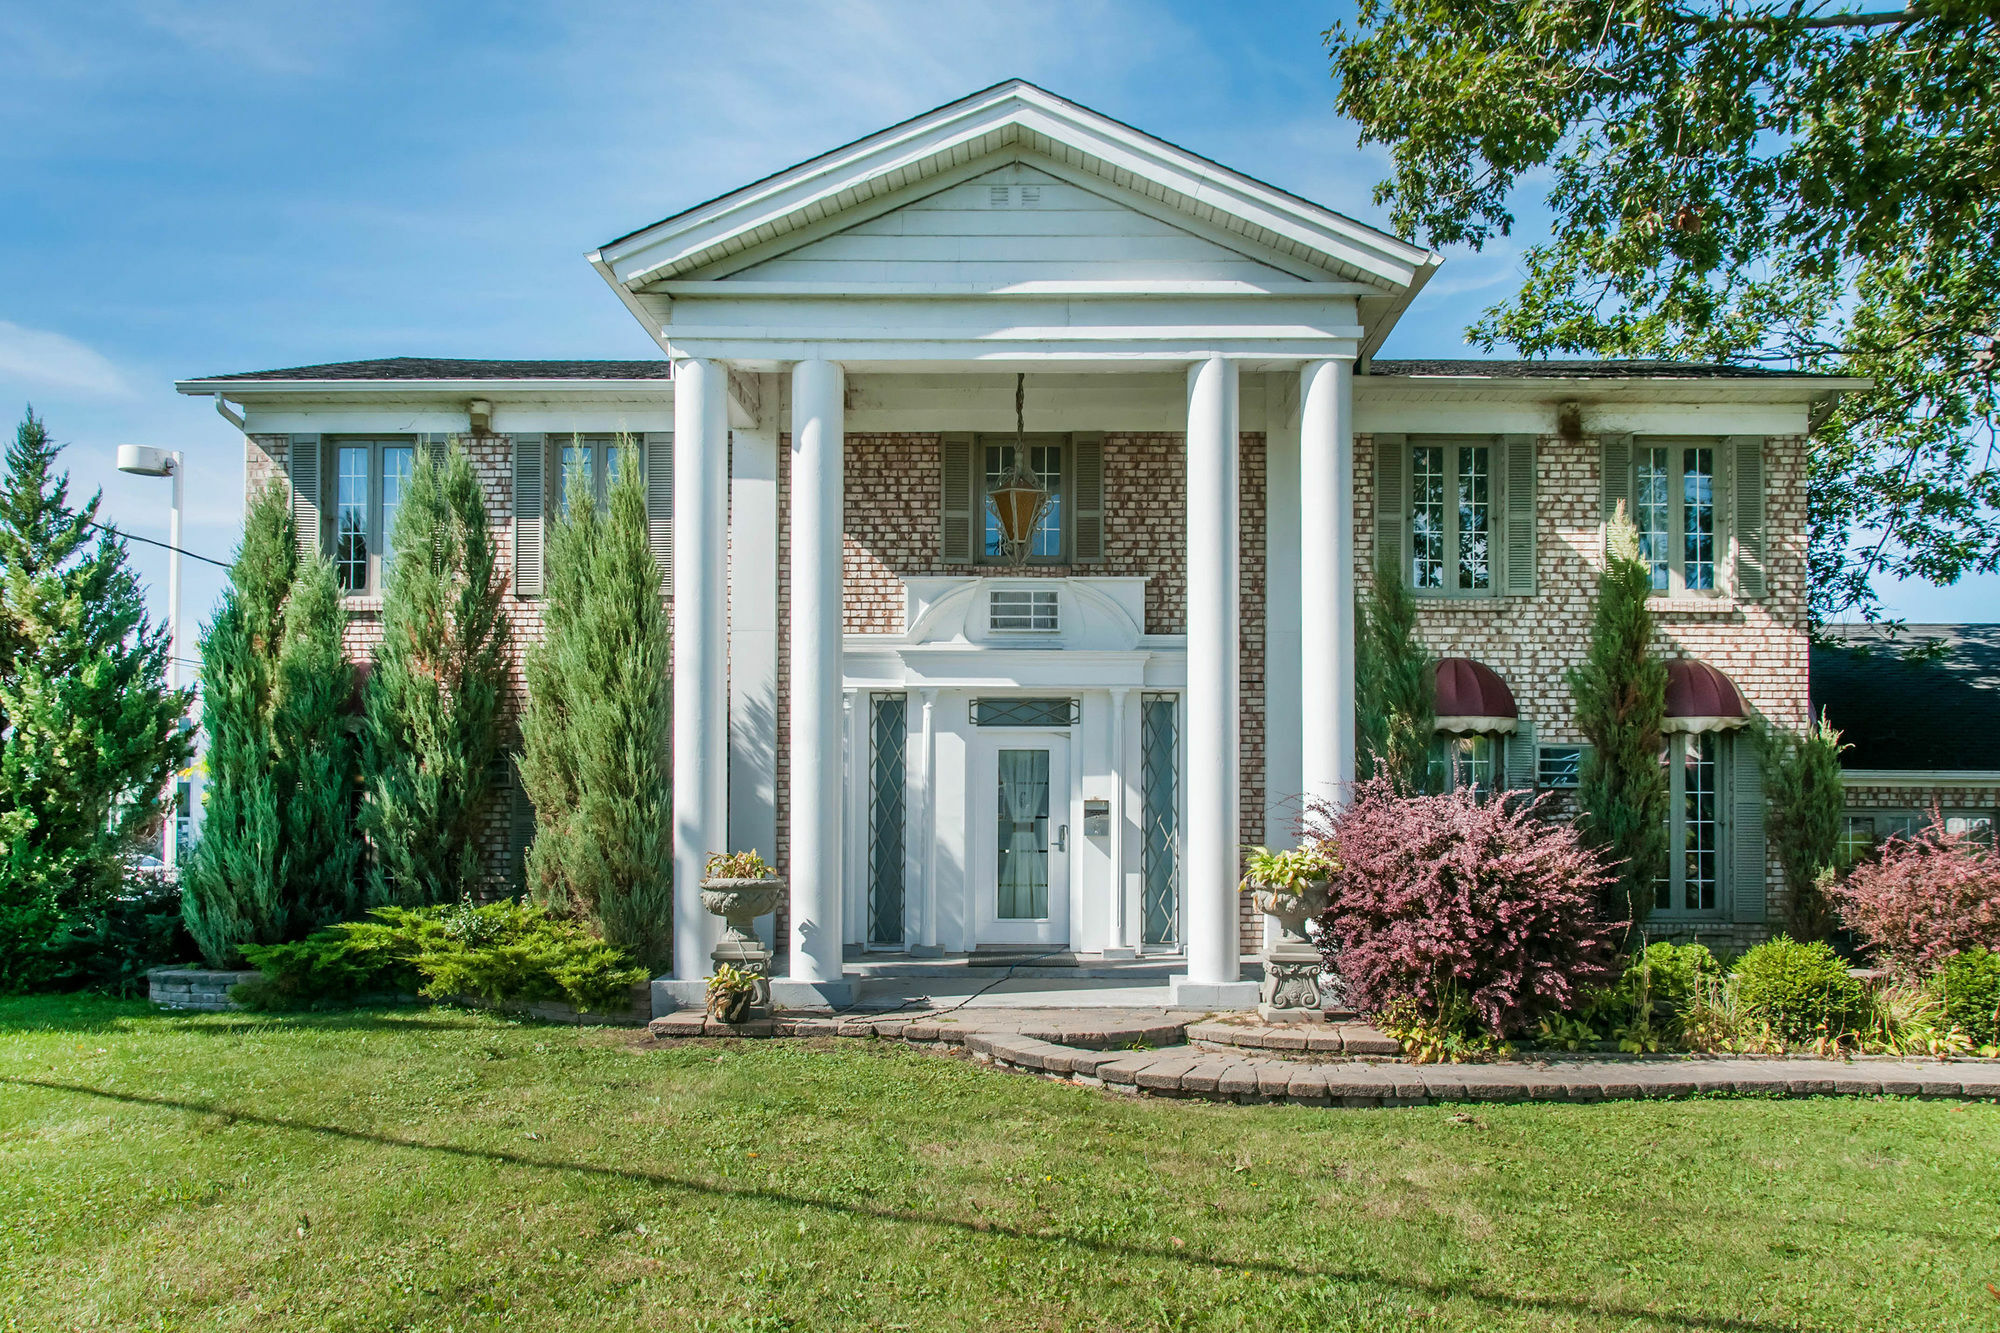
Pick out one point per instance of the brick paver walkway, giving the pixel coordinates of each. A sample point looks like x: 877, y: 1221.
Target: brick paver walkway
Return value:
x: 1180, y: 1054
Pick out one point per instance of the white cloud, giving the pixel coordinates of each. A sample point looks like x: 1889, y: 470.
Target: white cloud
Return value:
x: 42, y: 359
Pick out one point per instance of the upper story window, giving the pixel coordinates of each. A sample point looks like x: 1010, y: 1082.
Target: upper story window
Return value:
x: 589, y: 465
x: 369, y: 477
x: 1676, y: 508
x: 1045, y: 461
x: 1451, y: 516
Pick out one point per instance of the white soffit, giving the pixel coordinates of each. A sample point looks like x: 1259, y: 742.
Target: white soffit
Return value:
x: 1012, y: 118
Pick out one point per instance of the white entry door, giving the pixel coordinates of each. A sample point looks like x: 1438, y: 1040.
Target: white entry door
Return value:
x: 1018, y: 813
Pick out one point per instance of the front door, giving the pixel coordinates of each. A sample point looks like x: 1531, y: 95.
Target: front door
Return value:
x: 1019, y: 810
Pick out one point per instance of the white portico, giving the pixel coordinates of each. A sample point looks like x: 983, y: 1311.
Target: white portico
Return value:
x: 900, y: 284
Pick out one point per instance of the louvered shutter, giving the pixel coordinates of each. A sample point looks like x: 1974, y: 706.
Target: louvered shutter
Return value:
x: 660, y: 504
x: 1615, y: 462
x: 302, y: 466
x: 1392, y: 506
x: 1746, y: 454
x: 1522, y: 755
x: 529, y: 474
x: 1747, y: 854
x: 432, y: 448
x: 1087, y: 448
x: 1519, y: 454
x: 520, y: 826
x: 955, y: 527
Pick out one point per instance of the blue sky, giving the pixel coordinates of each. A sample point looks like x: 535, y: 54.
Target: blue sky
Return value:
x: 190, y: 187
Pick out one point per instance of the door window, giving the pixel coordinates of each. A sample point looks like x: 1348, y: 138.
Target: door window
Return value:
x: 1023, y: 866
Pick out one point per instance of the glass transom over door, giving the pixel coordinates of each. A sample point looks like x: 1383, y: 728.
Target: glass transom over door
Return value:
x: 1019, y: 801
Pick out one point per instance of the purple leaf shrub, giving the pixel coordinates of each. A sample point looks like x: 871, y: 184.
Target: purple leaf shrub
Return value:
x: 1449, y: 899
x: 1923, y: 900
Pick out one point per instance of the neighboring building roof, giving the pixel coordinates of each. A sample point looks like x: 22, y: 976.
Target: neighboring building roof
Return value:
x: 419, y: 368
x: 1913, y: 716
x: 1586, y: 370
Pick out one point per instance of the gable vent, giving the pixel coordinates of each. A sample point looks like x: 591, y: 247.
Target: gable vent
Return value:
x: 1030, y: 195
x: 996, y: 196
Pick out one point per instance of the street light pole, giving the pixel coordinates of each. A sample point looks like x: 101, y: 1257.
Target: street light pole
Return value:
x: 145, y: 462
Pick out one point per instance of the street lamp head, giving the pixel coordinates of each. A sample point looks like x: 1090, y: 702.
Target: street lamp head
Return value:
x: 143, y: 461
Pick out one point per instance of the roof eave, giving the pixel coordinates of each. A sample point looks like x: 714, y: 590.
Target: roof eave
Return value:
x: 239, y: 388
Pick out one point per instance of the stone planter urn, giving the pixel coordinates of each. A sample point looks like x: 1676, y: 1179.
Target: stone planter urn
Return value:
x: 739, y: 902
x: 1292, y: 962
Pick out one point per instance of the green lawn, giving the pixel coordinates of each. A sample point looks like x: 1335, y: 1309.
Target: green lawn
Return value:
x: 442, y: 1170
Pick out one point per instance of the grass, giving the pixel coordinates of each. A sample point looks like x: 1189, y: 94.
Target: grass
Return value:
x: 438, y: 1170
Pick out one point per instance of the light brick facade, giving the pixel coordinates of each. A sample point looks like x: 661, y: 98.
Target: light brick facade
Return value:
x: 891, y: 525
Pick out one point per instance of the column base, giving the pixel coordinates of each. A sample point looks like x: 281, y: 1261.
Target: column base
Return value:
x: 670, y: 995
x: 1186, y: 993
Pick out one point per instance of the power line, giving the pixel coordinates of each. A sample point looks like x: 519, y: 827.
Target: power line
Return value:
x: 132, y: 537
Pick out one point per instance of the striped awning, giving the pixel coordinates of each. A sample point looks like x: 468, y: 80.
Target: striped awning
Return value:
x: 1472, y: 699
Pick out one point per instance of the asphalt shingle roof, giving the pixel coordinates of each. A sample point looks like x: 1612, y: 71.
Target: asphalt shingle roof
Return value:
x: 1590, y: 370
x: 1904, y: 715
x: 450, y: 368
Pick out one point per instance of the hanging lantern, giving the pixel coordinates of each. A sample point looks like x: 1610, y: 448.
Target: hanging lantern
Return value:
x: 1020, y: 500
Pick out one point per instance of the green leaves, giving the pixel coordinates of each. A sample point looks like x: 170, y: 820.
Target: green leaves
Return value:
x: 1793, y: 185
x: 434, y: 698
x: 89, y: 732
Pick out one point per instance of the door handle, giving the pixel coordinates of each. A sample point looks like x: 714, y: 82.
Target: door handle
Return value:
x: 1062, y: 838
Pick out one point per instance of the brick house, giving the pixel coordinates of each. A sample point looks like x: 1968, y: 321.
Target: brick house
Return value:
x: 1919, y: 733
x: 949, y: 749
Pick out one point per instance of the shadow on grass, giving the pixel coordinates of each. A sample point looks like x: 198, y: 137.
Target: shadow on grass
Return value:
x: 1545, y: 1305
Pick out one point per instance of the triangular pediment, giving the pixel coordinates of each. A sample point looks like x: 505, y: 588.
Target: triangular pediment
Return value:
x: 826, y: 206
x: 1006, y: 227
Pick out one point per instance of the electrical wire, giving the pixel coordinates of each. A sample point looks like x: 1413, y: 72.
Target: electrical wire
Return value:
x: 134, y: 537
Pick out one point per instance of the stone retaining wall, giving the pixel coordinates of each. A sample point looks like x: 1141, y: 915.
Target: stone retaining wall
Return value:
x: 194, y: 988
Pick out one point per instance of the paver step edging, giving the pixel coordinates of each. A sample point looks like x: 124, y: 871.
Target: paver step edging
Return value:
x: 1230, y: 1073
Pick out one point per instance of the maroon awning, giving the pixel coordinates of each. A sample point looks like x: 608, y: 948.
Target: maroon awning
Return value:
x: 1701, y: 698
x: 1471, y: 698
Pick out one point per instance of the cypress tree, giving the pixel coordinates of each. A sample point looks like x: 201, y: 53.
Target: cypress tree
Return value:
x: 233, y: 886
x: 1395, y: 688
x: 596, y: 733
x: 317, y: 764
x: 91, y: 731
x: 1621, y: 700
x: 1807, y: 794
x: 433, y: 700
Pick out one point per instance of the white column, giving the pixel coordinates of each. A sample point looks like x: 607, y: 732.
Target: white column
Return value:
x: 1213, y: 768
x: 815, y: 852
x: 701, y: 650
x: 926, y: 822
x: 1326, y: 560
x: 753, y: 636
x: 1121, y: 908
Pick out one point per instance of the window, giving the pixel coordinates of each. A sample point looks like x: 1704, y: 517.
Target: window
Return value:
x: 589, y: 465
x: 1863, y: 831
x: 1159, y: 819
x: 1692, y: 884
x: 1011, y: 610
x: 1675, y: 508
x: 369, y: 478
x: 1024, y: 712
x: 1045, y: 460
x: 1559, y: 766
x: 1451, y: 517
x: 1458, y: 762
x: 886, y: 810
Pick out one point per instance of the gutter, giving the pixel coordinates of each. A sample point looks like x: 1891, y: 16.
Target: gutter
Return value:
x: 1922, y: 777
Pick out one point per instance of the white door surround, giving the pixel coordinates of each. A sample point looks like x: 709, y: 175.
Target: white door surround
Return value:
x: 1002, y: 914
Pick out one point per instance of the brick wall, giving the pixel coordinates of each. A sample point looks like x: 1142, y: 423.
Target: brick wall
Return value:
x: 1953, y: 799
x: 492, y: 455
x: 1533, y: 641
x: 894, y: 504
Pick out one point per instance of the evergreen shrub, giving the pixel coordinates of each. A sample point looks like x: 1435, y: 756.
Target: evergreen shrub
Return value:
x: 1654, y: 991
x: 502, y: 952
x: 1448, y: 901
x: 1395, y: 687
x: 1923, y: 899
x: 1972, y: 995
x: 1797, y: 991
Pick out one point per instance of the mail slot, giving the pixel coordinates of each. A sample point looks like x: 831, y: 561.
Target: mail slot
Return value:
x: 1097, y: 819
